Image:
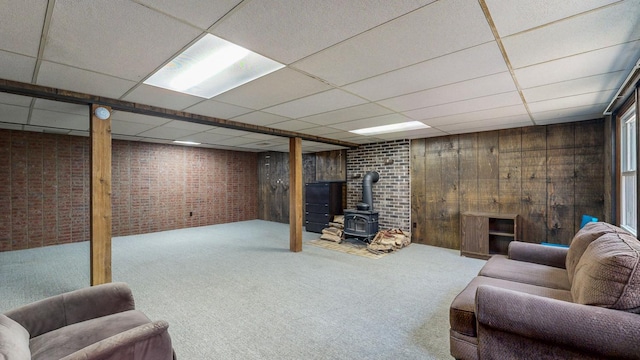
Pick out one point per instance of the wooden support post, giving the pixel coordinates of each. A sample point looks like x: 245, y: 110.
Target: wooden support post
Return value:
x: 100, y: 196
x: 295, y: 194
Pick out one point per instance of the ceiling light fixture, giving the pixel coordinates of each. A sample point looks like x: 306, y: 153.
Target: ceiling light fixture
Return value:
x: 210, y: 67
x: 102, y: 113
x: 385, y: 129
x: 186, y: 142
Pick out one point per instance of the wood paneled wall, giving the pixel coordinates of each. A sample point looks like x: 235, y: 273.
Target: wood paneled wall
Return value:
x: 550, y: 175
x: 273, y: 179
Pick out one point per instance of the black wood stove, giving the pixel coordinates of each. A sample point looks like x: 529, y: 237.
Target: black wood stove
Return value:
x: 362, y: 223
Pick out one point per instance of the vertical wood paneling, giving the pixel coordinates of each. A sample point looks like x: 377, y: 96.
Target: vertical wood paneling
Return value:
x: 488, y: 172
x: 331, y: 166
x: 534, y: 184
x: 549, y: 175
x: 468, y: 157
x: 560, y: 182
x: 418, y: 195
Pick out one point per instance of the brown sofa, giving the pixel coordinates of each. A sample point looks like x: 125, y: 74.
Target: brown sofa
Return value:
x: 99, y: 322
x: 545, y: 302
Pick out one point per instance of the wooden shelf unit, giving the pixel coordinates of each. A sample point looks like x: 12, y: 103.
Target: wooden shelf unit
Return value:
x: 485, y: 234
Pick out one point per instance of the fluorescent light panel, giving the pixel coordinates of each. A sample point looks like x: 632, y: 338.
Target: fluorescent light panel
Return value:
x: 210, y: 67
x: 385, y: 129
x: 186, y: 142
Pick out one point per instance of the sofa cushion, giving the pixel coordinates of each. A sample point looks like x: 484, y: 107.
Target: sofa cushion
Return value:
x: 501, y: 267
x: 14, y: 340
x: 69, y: 339
x: 608, y: 273
x: 462, y: 316
x: 585, y: 236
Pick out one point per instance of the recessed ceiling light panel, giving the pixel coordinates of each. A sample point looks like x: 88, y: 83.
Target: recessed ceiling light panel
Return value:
x: 210, y: 67
x: 385, y: 129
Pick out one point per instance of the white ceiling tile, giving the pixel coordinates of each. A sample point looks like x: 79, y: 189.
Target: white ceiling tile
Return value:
x: 511, y: 16
x: 217, y: 109
x: 78, y: 133
x: 63, y: 107
x: 418, y: 36
x: 235, y: 141
x: 466, y: 106
x: 228, y: 132
x: 128, y: 128
x: 509, y: 111
x: 11, y: 99
x: 575, y: 35
x: 14, y: 114
x: 138, y: 118
x: 48, y: 130
x: 611, y: 59
x: 609, y: 81
x: 291, y: 125
x: 124, y: 137
x: 179, y: 124
x: 259, y: 118
x: 200, y: 13
x: 371, y: 122
x: 479, y: 127
x: 69, y: 78
x: 275, y: 88
x: 155, y: 96
x: 506, y: 122
x: 487, y: 85
x: 567, y: 102
x: 414, y: 134
x: 464, y: 65
x: 10, y: 126
x: 560, y: 120
x: 207, y: 137
x: 59, y: 120
x: 315, y: 104
x: 578, y: 113
x: 287, y: 31
x: 165, y: 132
x: 16, y: 67
x: 342, y: 134
x: 118, y: 38
x: 21, y: 25
x: 346, y: 114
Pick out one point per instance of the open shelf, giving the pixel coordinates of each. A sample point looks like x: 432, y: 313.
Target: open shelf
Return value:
x: 487, y: 234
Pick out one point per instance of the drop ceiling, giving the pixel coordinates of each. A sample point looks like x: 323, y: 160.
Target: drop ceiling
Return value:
x: 455, y: 65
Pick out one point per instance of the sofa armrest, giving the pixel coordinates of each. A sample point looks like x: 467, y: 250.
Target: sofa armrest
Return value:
x: 539, y: 254
x: 69, y: 308
x: 512, y: 324
x: 148, y: 341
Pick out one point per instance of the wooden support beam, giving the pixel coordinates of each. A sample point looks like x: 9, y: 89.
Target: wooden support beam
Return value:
x: 100, y: 197
x: 295, y: 194
x: 44, y: 92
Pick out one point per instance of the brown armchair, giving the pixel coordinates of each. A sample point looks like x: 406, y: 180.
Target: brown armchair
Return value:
x: 99, y: 322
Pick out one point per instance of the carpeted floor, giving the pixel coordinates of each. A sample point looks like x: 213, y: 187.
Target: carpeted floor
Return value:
x: 235, y: 291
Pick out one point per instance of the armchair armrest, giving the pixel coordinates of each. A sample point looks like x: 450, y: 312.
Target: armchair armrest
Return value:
x: 69, y: 308
x: 148, y: 341
x: 539, y: 254
x: 512, y: 324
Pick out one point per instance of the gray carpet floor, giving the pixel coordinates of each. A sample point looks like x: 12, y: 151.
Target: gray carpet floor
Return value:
x: 235, y: 291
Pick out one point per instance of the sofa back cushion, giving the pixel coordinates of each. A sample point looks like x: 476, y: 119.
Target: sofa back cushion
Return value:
x: 14, y: 340
x: 590, y: 232
x: 608, y: 273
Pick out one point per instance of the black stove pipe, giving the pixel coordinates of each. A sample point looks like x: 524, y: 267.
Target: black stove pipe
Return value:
x: 367, y: 184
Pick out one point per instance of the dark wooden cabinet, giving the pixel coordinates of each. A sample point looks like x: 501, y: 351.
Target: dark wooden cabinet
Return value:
x: 486, y: 234
x: 323, y: 200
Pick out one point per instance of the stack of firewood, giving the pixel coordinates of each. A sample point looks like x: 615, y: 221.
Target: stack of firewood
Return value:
x: 389, y: 240
x: 335, y: 230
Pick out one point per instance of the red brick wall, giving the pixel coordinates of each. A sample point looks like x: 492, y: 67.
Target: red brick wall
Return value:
x: 44, y: 191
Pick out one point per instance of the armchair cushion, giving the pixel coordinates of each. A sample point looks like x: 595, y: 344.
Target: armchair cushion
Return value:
x: 585, y: 236
x: 501, y: 267
x: 14, y: 340
x: 538, y: 254
x: 59, y: 343
x: 608, y: 274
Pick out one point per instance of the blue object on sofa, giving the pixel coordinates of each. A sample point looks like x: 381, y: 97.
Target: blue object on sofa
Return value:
x: 587, y: 219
